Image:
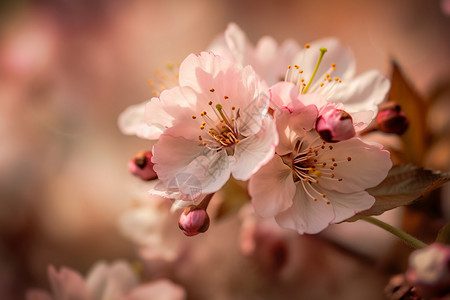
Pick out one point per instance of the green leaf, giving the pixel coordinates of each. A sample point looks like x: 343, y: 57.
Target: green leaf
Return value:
x: 444, y: 235
x: 403, y: 185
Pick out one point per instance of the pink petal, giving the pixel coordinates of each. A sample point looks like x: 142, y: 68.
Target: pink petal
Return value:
x: 360, y: 165
x: 35, y: 294
x: 111, y: 281
x: 255, y: 151
x: 303, y: 118
x: 162, y: 289
x: 67, y: 284
x: 306, y: 215
x: 282, y: 94
x: 173, y: 106
x: 272, y: 188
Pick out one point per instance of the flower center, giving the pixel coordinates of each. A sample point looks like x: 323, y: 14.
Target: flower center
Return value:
x: 219, y: 130
x: 325, y: 86
x: 312, y: 163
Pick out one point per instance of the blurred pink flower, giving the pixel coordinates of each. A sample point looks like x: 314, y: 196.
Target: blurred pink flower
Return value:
x: 216, y: 124
x: 310, y: 183
x: 116, y: 281
x: 429, y: 270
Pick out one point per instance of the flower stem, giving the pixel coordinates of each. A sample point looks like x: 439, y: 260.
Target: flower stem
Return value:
x: 405, y: 237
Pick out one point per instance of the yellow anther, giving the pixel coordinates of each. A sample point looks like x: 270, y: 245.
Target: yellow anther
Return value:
x: 150, y: 82
x: 225, y: 97
x: 307, y: 46
x: 210, y: 102
x: 296, y: 66
x: 194, y: 117
x: 211, y: 90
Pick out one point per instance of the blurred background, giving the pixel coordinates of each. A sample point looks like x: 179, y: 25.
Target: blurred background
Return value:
x: 69, y: 67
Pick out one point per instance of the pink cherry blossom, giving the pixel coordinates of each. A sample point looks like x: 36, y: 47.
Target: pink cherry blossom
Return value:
x: 334, y: 78
x: 268, y: 59
x: 216, y: 125
x: 310, y: 183
x: 114, y: 281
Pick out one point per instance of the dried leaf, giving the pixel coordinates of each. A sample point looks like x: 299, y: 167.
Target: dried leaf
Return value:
x: 403, y: 185
x: 444, y: 235
x: 413, y: 105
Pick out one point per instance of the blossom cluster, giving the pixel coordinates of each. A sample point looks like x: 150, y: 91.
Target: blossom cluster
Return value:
x: 284, y: 118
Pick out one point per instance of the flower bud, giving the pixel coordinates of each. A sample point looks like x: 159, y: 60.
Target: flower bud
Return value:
x: 141, y: 165
x: 391, y: 119
x: 193, y: 220
x: 429, y: 270
x: 335, y: 125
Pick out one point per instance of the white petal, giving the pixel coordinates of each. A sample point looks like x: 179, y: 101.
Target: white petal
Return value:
x: 132, y: 122
x: 272, y: 188
x: 237, y: 43
x: 367, y: 167
x: 255, y: 151
x: 306, y: 215
x: 336, y: 53
x: 347, y: 205
x: 188, y: 165
x: 362, y: 93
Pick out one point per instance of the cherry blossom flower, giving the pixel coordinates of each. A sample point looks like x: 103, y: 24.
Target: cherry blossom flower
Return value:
x: 216, y: 124
x: 268, y: 59
x: 116, y: 281
x: 310, y: 183
x: 313, y: 71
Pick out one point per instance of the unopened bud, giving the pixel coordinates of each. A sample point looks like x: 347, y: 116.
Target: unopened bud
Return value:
x: 391, y: 119
x: 335, y: 125
x: 429, y: 270
x: 141, y: 165
x: 193, y: 220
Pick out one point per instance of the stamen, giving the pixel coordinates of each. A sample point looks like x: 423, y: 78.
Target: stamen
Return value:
x: 322, y: 53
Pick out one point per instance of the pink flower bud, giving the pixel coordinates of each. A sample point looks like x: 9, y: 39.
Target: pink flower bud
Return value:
x: 392, y: 120
x: 335, y: 125
x: 193, y: 220
x: 141, y: 165
x: 429, y: 270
